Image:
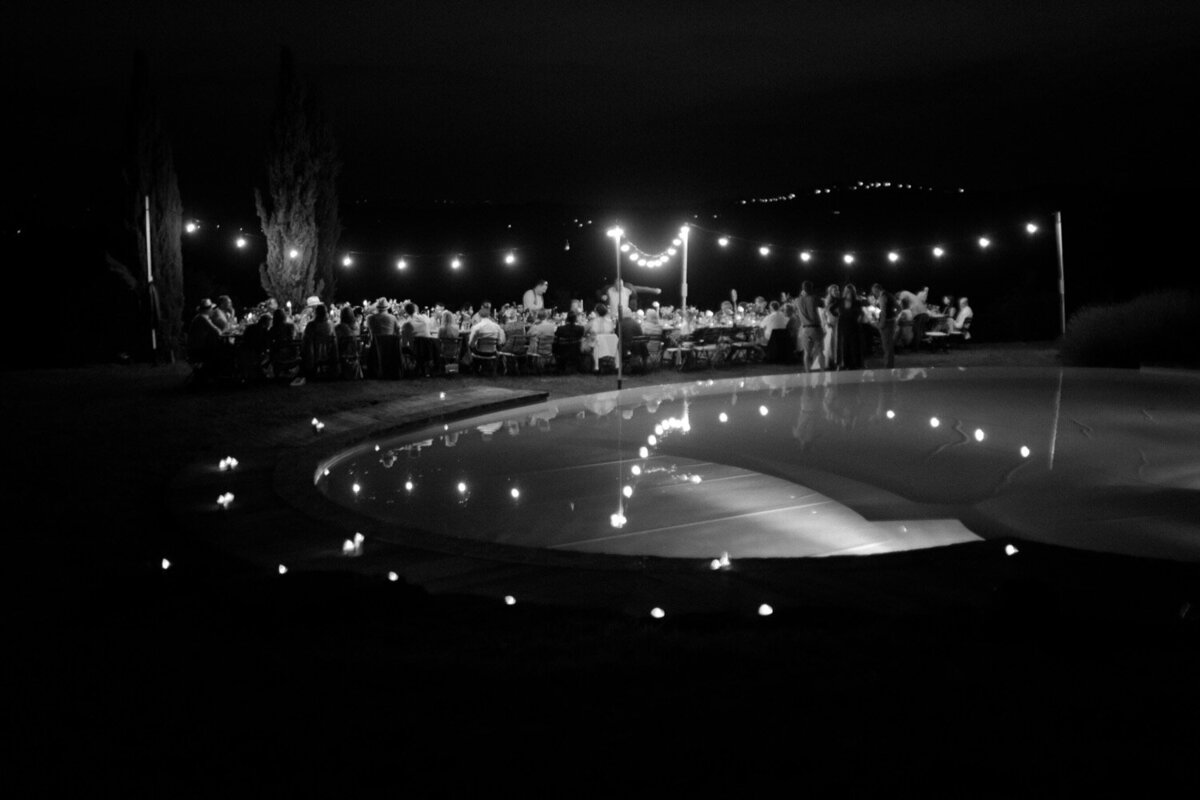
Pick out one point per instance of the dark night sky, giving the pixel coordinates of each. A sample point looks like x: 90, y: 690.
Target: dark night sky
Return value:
x: 627, y: 102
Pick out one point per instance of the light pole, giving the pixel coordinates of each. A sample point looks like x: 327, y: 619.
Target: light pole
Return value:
x: 616, y: 233
x: 683, y: 234
x: 1062, y: 286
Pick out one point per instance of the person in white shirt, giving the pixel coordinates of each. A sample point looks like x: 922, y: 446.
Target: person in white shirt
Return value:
x: 534, y: 299
x: 916, y: 302
x: 627, y: 290
x: 542, y: 329
x: 964, y: 314
x: 486, y: 326
x: 419, y: 322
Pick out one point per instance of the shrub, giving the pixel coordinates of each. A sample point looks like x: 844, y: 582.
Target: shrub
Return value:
x: 1155, y: 328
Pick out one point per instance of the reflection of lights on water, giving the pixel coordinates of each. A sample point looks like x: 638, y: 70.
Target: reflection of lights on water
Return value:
x: 515, y: 493
x: 356, y: 488
x: 765, y: 610
x: 635, y: 469
x: 934, y: 422
x: 979, y: 436
x: 657, y: 613
x: 618, y: 520
x: 1009, y: 550
x: 442, y: 396
x: 695, y: 479
x: 393, y: 577
x: 408, y: 486
x: 658, y: 430
x: 723, y: 417
x: 376, y: 448
x: 227, y: 463
x: 166, y: 564
x: 348, y: 548
x: 627, y: 491
x: 462, y: 487
x: 1024, y: 451
x: 643, y: 452
x: 282, y: 569
x: 762, y: 410
x: 358, y: 539
x: 891, y: 414
x: 225, y: 499
x: 509, y: 600
x: 652, y: 440
x: 720, y: 563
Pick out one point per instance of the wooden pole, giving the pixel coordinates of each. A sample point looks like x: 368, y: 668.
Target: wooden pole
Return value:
x: 1062, y: 286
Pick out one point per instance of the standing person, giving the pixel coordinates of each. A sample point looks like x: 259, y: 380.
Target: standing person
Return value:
x: 830, y: 310
x: 812, y: 332
x: 849, y: 336
x: 534, y: 299
x: 887, y: 323
x: 223, y: 315
x: 628, y: 296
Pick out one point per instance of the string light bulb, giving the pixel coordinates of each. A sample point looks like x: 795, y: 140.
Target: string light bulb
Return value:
x: 240, y: 242
x: 455, y: 262
x: 848, y: 259
x: 191, y: 227
x: 764, y: 251
x: 805, y: 256
x: 723, y: 241
x: 293, y: 253
x: 511, y: 258
x: 1031, y: 228
x: 402, y: 264
x: 938, y: 252
x: 984, y: 242
x: 893, y: 256
x: 347, y: 261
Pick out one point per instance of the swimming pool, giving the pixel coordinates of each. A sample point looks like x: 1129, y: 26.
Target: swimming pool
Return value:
x: 800, y: 465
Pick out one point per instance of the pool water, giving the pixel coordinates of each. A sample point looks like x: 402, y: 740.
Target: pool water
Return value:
x: 799, y: 465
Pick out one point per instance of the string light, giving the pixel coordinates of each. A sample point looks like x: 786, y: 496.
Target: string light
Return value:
x: 984, y: 242
x: 191, y: 227
x: 510, y: 258
x: 402, y: 264
x: 764, y: 251
x: 893, y: 256
x: 723, y: 241
x: 455, y: 262
x: 1031, y: 228
x: 240, y: 242
x: 938, y: 252
x: 293, y: 253
x: 347, y: 261
x: 848, y: 259
x: 805, y: 256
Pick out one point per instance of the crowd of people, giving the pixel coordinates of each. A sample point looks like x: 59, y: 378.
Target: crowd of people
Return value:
x: 831, y: 330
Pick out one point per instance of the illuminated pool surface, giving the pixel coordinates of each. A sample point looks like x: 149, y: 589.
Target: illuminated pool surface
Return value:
x: 796, y: 465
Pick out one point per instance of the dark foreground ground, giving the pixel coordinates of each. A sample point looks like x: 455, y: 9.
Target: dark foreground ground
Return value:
x: 215, y: 678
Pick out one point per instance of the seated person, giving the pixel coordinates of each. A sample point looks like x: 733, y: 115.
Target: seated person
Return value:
x: 600, y: 324
x: 320, y: 327
x: 382, y: 322
x: 958, y: 323
x: 258, y: 336
x: 543, y: 328
x: 487, y: 327
x: 204, y: 337
x: 448, y: 329
x: 775, y: 319
x: 631, y: 329
x: 283, y: 330
x: 347, y: 326
x: 567, y: 339
x: 651, y: 325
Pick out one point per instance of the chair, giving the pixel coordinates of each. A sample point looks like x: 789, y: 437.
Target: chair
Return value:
x: 654, y: 352
x: 779, y: 346
x: 541, y: 353
x: 385, y: 356
x: 567, y: 351
x: 605, y: 346
x: 349, y: 354
x: 515, y: 349
x: 320, y: 355
x: 285, y: 359
x: 486, y: 351
x: 450, y: 350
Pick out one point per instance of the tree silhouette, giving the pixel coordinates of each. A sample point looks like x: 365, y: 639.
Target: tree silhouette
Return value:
x: 151, y: 173
x: 298, y: 209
